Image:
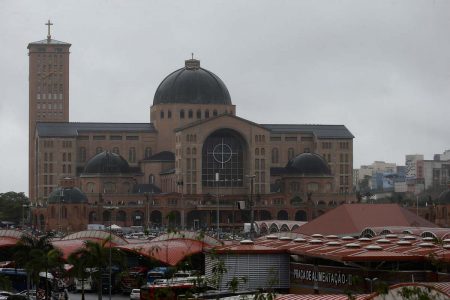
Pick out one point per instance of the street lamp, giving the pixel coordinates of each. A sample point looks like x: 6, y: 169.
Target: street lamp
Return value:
x: 371, y: 281
x: 110, y: 209
x: 61, y: 199
x: 252, y: 213
x: 218, y: 205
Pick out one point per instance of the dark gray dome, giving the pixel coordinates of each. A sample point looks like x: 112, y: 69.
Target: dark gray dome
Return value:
x: 67, y: 195
x: 444, y: 197
x: 192, y: 85
x: 308, y: 164
x: 107, y: 162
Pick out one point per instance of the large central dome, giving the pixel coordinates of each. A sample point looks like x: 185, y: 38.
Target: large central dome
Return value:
x: 192, y: 85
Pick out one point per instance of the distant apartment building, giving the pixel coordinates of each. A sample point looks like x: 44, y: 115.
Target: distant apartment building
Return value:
x: 374, y: 173
x: 422, y: 174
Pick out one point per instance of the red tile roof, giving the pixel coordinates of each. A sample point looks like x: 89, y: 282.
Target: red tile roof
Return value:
x: 353, y: 218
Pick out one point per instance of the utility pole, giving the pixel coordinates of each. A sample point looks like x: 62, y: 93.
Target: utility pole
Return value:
x: 252, y: 213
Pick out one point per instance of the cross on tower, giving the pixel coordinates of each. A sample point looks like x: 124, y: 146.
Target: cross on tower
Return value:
x: 48, y: 25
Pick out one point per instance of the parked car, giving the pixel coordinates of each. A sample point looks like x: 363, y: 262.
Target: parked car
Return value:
x: 4, y: 295
x: 135, y: 294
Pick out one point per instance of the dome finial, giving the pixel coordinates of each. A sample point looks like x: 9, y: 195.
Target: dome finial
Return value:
x: 192, y: 64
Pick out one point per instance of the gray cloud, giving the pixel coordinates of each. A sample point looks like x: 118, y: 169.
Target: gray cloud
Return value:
x: 380, y: 67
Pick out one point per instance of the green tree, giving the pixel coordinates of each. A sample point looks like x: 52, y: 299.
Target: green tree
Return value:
x: 96, y: 255
x: 36, y: 255
x: 11, y: 206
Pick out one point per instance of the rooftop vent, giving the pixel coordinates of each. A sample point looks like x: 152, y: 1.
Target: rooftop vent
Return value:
x: 247, y: 242
x: 409, y: 237
x: 365, y: 239
x: 383, y: 241
x: 315, y: 241
x: 446, y: 246
x: 285, y: 238
x: 347, y: 238
x: 353, y: 245
x: 332, y: 237
x: 299, y: 240
x: 426, y: 245
x: 428, y: 239
x: 391, y: 236
x: 317, y: 235
x: 403, y: 243
x: 333, y: 243
x: 271, y: 237
x: 446, y: 241
x: 374, y: 248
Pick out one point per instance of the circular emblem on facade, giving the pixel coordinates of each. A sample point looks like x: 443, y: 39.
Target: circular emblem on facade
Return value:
x: 222, y: 153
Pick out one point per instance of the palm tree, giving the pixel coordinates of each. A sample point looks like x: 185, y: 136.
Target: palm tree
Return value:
x: 36, y: 255
x: 97, y: 255
x: 80, y: 264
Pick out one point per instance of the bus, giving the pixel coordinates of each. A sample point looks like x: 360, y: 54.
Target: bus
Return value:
x: 157, y: 273
x: 17, y: 277
x: 87, y: 283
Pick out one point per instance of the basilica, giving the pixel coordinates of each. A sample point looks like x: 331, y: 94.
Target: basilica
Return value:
x: 189, y: 166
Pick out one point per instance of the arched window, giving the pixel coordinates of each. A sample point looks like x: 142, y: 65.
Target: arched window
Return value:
x: 295, y: 186
x: 190, y: 114
x: 199, y: 114
x: 82, y: 154
x: 90, y: 187
x: 291, y: 153
x: 182, y: 114
x: 275, y: 155
x: 206, y: 113
x: 256, y: 151
x: 64, y: 212
x: 313, y: 187
x: 132, y: 155
x: 116, y: 150
x: 148, y: 152
x: 215, y: 113
x: 169, y: 114
x: 161, y: 114
x: 194, y: 151
x: 109, y: 187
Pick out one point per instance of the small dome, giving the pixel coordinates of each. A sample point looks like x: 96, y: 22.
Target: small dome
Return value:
x: 67, y: 195
x: 107, y: 162
x: 308, y: 164
x: 192, y: 85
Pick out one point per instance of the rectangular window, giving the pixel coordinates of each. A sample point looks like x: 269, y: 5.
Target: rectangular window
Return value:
x: 83, y: 137
x: 99, y: 137
x: 307, y: 139
x: 275, y: 138
x: 290, y: 139
x: 115, y: 137
x: 132, y: 137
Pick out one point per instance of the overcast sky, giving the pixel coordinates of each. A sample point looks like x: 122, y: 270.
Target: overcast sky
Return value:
x: 382, y: 68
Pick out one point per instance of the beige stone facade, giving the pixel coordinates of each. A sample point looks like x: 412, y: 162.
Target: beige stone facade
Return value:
x: 173, y: 161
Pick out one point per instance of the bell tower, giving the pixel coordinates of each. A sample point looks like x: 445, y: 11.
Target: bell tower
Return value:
x: 48, y: 92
